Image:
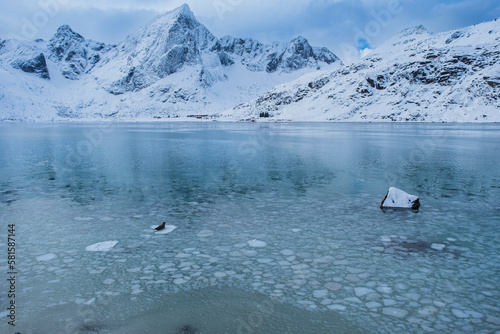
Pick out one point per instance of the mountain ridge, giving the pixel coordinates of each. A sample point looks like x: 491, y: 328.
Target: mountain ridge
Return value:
x: 169, y: 67
x: 174, y: 67
x: 414, y: 76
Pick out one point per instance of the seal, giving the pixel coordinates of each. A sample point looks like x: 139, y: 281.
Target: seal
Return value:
x: 161, y: 227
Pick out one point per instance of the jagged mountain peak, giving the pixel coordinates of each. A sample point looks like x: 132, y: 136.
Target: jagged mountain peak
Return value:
x: 73, y: 52
x: 181, y: 15
x: 416, y: 30
x: 300, y: 39
x: 184, y: 10
x: 65, y: 36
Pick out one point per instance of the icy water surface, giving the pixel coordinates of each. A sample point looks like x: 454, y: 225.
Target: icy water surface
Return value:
x: 278, y: 228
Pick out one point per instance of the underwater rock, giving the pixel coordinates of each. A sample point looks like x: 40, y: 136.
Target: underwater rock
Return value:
x: 187, y: 329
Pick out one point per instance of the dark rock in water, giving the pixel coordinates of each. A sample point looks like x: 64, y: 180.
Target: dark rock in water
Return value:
x: 404, y: 246
x: 187, y: 329
x: 90, y: 328
x: 413, y: 246
x: 8, y: 196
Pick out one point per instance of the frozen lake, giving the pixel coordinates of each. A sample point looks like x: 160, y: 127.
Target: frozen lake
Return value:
x: 277, y: 228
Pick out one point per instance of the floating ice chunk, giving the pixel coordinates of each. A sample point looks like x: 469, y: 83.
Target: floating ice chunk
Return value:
x: 333, y: 286
x: 101, y: 246
x: 337, y: 307
x: 459, y: 313
x: 320, y: 293
x: 360, y: 292
x: 413, y: 296
x: 296, y: 230
x: 109, y: 281
x: 438, y: 247
x: 257, y: 243
x: 476, y: 315
x: 394, y: 312
x: 90, y: 301
x: 397, y: 198
x: 389, y: 302
x: 287, y: 252
x: 373, y: 304
x: 46, y: 257
x: 186, y: 264
x: 250, y: 253
x: 264, y: 261
x: 168, y: 229
x: 179, y: 281
x: 384, y: 289
x: 205, y: 234
x: 353, y: 300
x: 451, y: 239
x: 220, y: 274
x: 439, y: 303
x: 493, y: 320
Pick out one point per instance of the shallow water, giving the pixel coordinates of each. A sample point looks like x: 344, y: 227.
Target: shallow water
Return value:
x: 278, y: 214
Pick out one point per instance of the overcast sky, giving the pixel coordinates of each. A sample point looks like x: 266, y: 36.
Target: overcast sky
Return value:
x: 340, y: 25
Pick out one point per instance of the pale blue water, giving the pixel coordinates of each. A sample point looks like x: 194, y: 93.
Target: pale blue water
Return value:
x: 332, y: 261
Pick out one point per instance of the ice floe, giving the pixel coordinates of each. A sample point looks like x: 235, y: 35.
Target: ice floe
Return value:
x: 257, y: 243
x: 168, y: 229
x: 395, y: 312
x: 46, y: 257
x: 438, y: 247
x: 101, y: 246
x: 205, y: 233
x: 360, y: 291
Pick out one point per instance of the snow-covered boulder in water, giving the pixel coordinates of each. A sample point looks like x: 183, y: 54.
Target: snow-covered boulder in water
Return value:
x: 397, y: 198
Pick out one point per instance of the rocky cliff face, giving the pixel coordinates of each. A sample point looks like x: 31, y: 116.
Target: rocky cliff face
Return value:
x: 288, y: 57
x: 74, y: 55
x: 36, y: 65
x: 415, y: 76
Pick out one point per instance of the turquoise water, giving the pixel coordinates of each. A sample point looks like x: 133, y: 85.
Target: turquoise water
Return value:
x: 276, y: 222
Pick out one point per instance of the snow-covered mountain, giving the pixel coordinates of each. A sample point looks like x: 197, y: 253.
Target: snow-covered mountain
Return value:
x: 173, y: 66
x: 415, y: 76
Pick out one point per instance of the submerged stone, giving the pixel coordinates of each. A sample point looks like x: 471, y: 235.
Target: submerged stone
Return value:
x: 187, y: 329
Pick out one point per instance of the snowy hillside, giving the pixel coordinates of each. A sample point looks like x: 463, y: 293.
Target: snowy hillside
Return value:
x: 171, y: 67
x: 415, y: 76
